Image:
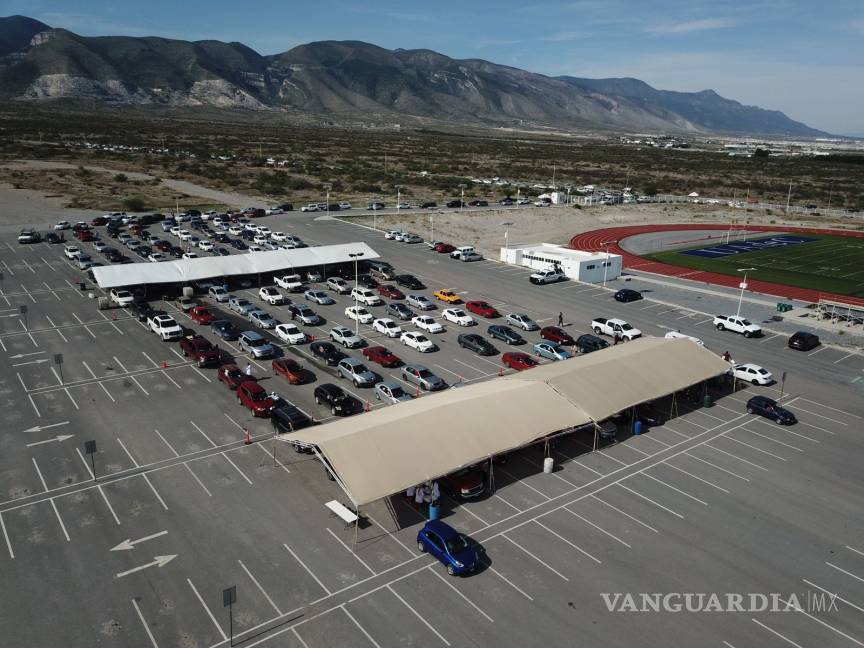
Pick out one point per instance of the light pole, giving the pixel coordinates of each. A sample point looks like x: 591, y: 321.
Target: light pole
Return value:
x: 431, y: 227
x: 462, y: 200
x: 506, y: 232
x: 743, y: 286
x: 355, y: 256
x: 398, y: 198
x: 327, y: 187
x: 606, y: 262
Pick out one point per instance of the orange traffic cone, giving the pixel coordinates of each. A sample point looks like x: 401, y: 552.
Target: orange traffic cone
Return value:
x: 247, y: 438
x: 417, y: 392
x: 164, y: 364
x: 500, y: 371
x: 114, y: 317
x: 368, y: 406
x: 311, y: 338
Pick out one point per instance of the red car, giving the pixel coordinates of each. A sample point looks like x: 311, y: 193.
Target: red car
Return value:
x: 291, y: 370
x: 202, y: 315
x: 444, y: 248
x: 482, y: 308
x: 232, y: 376
x: 201, y: 350
x: 555, y: 334
x: 99, y: 220
x: 86, y: 235
x: 382, y: 356
x: 390, y: 292
x: 519, y: 361
x: 252, y: 395
x: 464, y: 484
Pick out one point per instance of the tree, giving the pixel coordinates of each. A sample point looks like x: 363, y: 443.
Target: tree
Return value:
x: 761, y: 153
x: 134, y: 204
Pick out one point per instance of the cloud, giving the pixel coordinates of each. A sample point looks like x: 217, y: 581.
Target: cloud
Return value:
x: 492, y: 42
x: 690, y: 26
x: 563, y: 37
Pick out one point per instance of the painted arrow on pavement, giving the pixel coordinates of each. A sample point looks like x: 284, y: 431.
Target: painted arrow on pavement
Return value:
x: 39, y: 361
x: 158, y: 561
x: 39, y: 428
x: 18, y: 356
x: 59, y: 439
x: 130, y: 544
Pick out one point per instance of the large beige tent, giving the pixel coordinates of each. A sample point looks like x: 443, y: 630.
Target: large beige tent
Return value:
x: 388, y: 450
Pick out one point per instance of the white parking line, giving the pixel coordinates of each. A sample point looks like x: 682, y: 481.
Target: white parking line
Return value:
x: 140, y: 386
x: 107, y: 393
x: 506, y: 580
x: 834, y: 595
x: 260, y: 589
x: 361, y: 628
x: 677, y: 490
x: 715, y: 466
x: 6, y: 537
x: 144, y: 623
x: 846, y: 356
x: 827, y: 418
x: 848, y: 573
x: 60, y: 520
x: 524, y: 483
x: 309, y: 571
x: 152, y: 361
x: 575, y: 546
x: 200, y: 483
x: 750, y: 463
x: 768, y: 438
x: 176, y: 384
x: 771, y: 337
x: 120, y: 364
x: 417, y: 614
x: 165, y: 441
x: 54, y: 326
x: 110, y: 508
x: 128, y: 454
x: 774, y: 632
x: 860, y: 553
x: 792, y: 606
x: 86, y: 328
x: 202, y: 433
x: 696, y: 477
x: 625, y: 514
x: 155, y: 492
x: 831, y: 408
x: 480, y: 371
x: 599, y: 528
x: 648, y: 499
x: 539, y: 560
x: 460, y: 594
x: 86, y: 465
x: 752, y: 447
x: 236, y: 467
x: 352, y: 552
x: 819, y: 350
x: 207, y: 610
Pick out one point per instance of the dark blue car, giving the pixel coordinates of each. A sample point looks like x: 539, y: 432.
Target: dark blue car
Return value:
x: 769, y: 408
x: 449, y: 546
x: 225, y: 330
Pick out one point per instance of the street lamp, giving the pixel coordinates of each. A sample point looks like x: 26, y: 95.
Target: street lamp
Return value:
x: 355, y: 256
x: 398, y: 198
x: 462, y: 200
x: 506, y: 232
x: 606, y: 262
x: 431, y: 227
x: 743, y: 286
x: 327, y: 187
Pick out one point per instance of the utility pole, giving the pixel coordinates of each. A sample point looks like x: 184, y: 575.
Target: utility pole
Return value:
x: 355, y: 256
x: 327, y: 187
x: 462, y: 200
x: 398, y: 197
x: 743, y: 287
x: 788, y: 198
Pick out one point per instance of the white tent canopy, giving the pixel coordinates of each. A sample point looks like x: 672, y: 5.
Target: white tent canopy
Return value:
x: 390, y: 449
x: 186, y: 270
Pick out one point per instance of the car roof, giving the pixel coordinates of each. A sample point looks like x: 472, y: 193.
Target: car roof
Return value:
x: 441, y: 528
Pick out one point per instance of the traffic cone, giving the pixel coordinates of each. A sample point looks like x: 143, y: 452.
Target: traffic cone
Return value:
x: 164, y: 364
x: 500, y: 371
x: 311, y: 338
x: 247, y: 440
x: 114, y: 317
x: 368, y: 406
x: 417, y: 392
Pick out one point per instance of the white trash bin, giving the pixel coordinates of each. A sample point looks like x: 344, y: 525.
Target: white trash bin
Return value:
x: 548, y: 465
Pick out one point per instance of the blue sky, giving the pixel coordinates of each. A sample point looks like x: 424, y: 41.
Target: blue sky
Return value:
x: 804, y: 58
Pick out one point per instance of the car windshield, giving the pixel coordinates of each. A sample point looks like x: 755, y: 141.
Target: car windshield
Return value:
x: 259, y: 396
x: 257, y: 342
x: 761, y: 371
x: 459, y: 313
x: 421, y: 338
x: 396, y: 392
x: 360, y: 368
x: 425, y: 373
x: 746, y: 322
x: 625, y: 327
x: 456, y: 544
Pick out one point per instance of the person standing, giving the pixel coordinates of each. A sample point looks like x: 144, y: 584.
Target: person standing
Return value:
x: 248, y: 370
x: 560, y: 319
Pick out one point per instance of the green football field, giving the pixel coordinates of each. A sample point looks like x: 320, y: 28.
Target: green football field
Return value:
x: 830, y: 264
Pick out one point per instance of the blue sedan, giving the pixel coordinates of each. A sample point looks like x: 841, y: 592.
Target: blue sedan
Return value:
x: 449, y: 546
x: 551, y: 351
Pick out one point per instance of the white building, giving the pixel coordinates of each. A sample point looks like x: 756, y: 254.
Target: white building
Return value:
x: 589, y: 267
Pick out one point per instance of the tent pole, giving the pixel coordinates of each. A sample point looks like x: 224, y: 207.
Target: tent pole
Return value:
x: 596, y: 434
x: 356, y: 528
x: 491, y: 476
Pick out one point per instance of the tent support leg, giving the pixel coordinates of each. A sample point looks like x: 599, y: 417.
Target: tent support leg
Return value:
x: 356, y: 529
x: 491, y: 476
x: 596, y: 434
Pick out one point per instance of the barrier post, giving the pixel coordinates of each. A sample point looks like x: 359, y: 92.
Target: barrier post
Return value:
x: 247, y: 438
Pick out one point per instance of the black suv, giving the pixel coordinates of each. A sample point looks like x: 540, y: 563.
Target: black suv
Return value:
x: 626, y: 295
x: 288, y: 418
x: 326, y: 352
x: 340, y: 403
x: 479, y: 203
x: 410, y: 281
x: 588, y: 343
x: 767, y: 407
x: 367, y: 281
x: 505, y: 334
x: 455, y: 203
x: 476, y: 343
x: 428, y: 205
x: 803, y: 341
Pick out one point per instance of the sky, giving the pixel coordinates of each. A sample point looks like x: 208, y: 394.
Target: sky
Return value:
x: 803, y: 58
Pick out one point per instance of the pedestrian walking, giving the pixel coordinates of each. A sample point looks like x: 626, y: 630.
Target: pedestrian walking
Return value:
x: 248, y: 370
x: 560, y: 319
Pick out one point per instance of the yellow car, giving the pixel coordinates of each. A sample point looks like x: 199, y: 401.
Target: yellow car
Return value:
x: 447, y: 296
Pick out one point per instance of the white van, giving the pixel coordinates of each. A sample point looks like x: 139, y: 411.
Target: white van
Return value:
x: 459, y: 251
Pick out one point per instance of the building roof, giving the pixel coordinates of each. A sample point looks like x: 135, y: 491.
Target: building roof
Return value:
x: 553, y: 250
x: 389, y: 449
x: 186, y: 270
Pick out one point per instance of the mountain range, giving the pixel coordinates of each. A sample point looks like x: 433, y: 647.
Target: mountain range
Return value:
x: 352, y: 79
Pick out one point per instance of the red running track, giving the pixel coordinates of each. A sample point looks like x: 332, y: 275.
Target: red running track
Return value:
x: 593, y: 241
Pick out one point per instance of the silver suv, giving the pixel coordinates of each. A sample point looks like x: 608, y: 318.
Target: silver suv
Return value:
x: 254, y: 344
x: 356, y: 372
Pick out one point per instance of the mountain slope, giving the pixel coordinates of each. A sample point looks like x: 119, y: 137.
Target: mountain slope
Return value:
x: 706, y: 108
x: 349, y: 78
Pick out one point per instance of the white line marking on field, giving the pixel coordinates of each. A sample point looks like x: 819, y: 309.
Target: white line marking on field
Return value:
x: 844, y: 357
x: 353, y: 553
x: 648, y: 499
x: 309, y: 571
x: 829, y: 407
x: 200, y: 483
x: 155, y: 492
x: 6, y: 536
x: 362, y: 629
x: 599, y: 528
x: 207, y: 610
x: 144, y: 623
x: 524, y: 483
x: 202, y: 433
x: 120, y: 364
x: 431, y: 569
x: 539, y: 560
x: 110, y: 508
x: 790, y: 605
x: 60, y: 520
x: 417, y: 614
x: 140, y: 386
x: 270, y: 456
x: 625, y: 514
x: 128, y: 454
x: 236, y: 467
x: 768, y: 438
x: 860, y: 553
x: 565, y: 540
x: 827, y: 418
x: 260, y: 589
x: 774, y: 632
x: 152, y: 361
x: 176, y: 384
x: 236, y: 424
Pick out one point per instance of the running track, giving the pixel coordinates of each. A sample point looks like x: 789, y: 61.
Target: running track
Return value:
x: 593, y: 241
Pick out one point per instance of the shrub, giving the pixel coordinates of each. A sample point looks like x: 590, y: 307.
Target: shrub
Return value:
x: 134, y: 204
x: 120, y: 177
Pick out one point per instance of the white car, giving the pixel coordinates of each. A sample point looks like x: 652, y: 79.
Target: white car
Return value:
x: 278, y: 236
x: 392, y: 234
x: 346, y: 337
x: 457, y: 316
x: 311, y: 207
x: 218, y: 293
x: 260, y: 239
x: 417, y: 341
x: 263, y: 230
x: 122, y: 298
x: 522, y: 321
x: 428, y: 324
x: 339, y: 285
x: 185, y: 235
x: 737, y: 324
x: 411, y: 238
x: 62, y: 225
x: 100, y: 246
x: 189, y: 255
x: 359, y: 314
x: 271, y: 296
x: 290, y: 333
x: 366, y: 296
x: 234, y: 230
x: 205, y: 246
x: 345, y: 205
x: 71, y: 252
x: 262, y: 319
x: 403, y: 206
x: 175, y: 230
x: 387, y: 326
x: 420, y: 302
x: 752, y: 373
x: 255, y: 248
x: 156, y: 257
x: 291, y: 283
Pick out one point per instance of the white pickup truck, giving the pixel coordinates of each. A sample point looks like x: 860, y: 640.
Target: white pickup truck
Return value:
x: 546, y: 277
x: 291, y: 283
x: 165, y: 327
x: 122, y: 298
x: 613, y: 327
x: 737, y: 324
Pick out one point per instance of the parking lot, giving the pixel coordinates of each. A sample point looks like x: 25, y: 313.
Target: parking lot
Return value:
x: 133, y: 545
